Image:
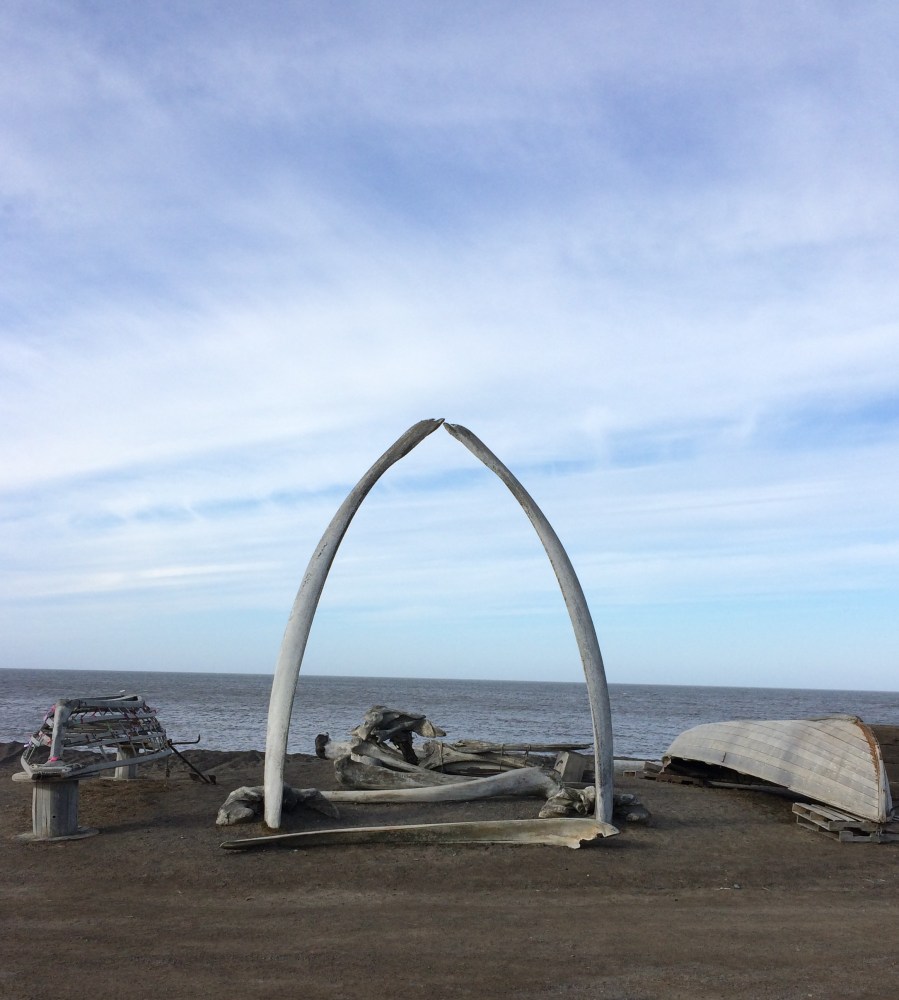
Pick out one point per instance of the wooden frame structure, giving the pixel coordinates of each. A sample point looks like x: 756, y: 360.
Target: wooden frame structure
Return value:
x: 72, y: 744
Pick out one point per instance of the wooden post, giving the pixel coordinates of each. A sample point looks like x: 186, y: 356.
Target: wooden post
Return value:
x: 54, y: 810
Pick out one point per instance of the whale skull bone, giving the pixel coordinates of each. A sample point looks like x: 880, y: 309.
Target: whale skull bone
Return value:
x: 377, y: 751
x: 387, y: 723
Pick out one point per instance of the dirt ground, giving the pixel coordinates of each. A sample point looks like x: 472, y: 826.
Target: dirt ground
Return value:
x: 722, y: 896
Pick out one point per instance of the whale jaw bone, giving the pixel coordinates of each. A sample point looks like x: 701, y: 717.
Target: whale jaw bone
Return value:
x: 299, y: 623
x: 549, y: 832
x: 293, y: 645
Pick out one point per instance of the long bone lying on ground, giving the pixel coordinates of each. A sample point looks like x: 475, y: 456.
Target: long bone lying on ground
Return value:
x: 363, y: 777
x: 368, y: 772
x: 529, y: 781
x: 245, y: 804
x: 300, y: 623
x: 549, y: 832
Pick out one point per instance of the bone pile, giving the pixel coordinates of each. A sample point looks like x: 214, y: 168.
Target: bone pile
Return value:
x: 380, y: 762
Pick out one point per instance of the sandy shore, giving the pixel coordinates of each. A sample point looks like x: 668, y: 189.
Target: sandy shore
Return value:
x: 723, y: 895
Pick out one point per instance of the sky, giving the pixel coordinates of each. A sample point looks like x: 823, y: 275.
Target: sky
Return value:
x: 646, y: 251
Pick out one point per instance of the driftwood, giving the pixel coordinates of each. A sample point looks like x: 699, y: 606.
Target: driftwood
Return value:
x: 551, y: 832
x: 244, y: 805
x: 293, y: 645
x: 482, y: 746
x: 81, y: 738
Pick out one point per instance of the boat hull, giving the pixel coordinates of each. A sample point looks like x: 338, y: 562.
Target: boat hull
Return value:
x: 835, y: 760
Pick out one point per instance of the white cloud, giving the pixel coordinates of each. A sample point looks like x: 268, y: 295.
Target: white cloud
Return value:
x: 647, y: 256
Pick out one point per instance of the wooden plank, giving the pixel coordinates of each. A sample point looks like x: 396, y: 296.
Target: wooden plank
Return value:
x: 677, y: 779
x: 61, y: 770
x: 842, y: 827
x: 832, y: 819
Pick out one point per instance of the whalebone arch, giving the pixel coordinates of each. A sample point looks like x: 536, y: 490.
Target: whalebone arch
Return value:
x: 299, y: 623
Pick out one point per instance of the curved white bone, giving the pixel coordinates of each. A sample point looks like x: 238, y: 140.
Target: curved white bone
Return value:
x: 293, y: 645
x: 581, y: 621
x: 554, y: 832
x: 296, y: 634
x: 529, y: 781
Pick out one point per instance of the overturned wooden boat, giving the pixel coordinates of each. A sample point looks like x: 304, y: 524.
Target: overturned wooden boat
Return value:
x: 838, y: 760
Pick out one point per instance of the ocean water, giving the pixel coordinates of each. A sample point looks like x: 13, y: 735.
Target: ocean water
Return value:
x: 228, y: 711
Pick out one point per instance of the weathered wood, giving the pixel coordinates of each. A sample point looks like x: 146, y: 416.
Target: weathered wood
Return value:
x: 54, y: 811
x: 551, y: 832
x: 843, y: 827
x: 832, y: 819
x: 888, y: 740
x: 123, y: 722
x: 86, y: 770
x: 482, y: 746
x: 676, y: 779
x: 833, y: 759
